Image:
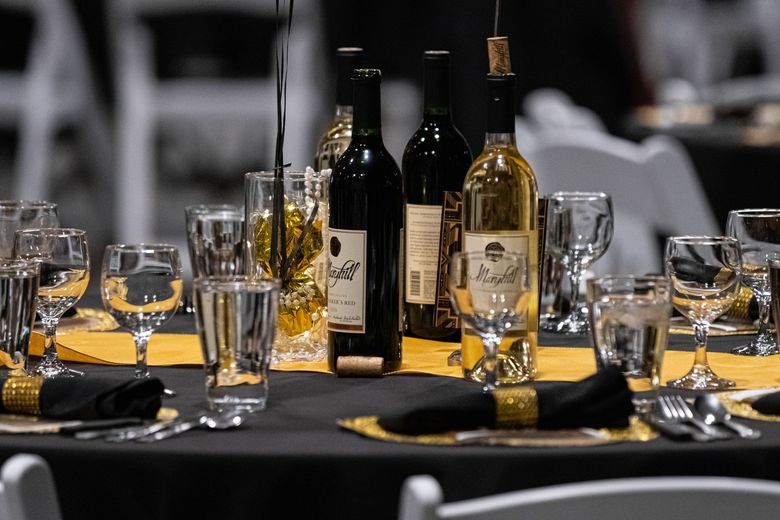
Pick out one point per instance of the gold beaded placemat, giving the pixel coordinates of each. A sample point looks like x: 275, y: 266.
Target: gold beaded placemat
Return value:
x: 637, y: 431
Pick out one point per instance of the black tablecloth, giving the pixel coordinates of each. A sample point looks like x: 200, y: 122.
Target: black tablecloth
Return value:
x: 292, y: 461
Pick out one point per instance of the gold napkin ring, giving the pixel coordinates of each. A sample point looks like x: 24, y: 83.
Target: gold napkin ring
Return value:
x: 22, y: 395
x: 516, y: 407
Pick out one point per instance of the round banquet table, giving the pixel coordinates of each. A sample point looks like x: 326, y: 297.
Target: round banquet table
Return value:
x: 293, y: 461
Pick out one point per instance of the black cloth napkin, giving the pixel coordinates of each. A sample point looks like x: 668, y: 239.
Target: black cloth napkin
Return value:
x: 92, y: 398
x: 601, y: 400
x: 768, y: 404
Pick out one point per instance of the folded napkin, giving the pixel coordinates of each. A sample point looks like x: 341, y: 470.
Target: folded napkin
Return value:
x: 601, y: 400
x: 768, y: 404
x: 76, y: 398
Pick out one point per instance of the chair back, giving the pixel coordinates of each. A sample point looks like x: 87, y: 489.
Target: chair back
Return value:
x: 28, y: 491
x: 575, y: 160
x: 692, y: 498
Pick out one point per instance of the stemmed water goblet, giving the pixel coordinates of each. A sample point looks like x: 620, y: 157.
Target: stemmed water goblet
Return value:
x: 705, y: 274
x: 758, y: 232
x: 141, y: 287
x: 490, y: 290
x: 63, y: 256
x: 579, y: 230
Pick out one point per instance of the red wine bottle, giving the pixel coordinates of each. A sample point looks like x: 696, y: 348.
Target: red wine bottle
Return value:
x: 365, y: 227
x: 435, y: 161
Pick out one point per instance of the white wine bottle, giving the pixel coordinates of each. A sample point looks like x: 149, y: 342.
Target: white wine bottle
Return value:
x: 336, y: 139
x: 500, y: 212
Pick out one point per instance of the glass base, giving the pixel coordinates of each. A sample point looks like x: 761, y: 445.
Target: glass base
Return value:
x: 762, y: 345
x: 509, y: 371
x: 701, y: 377
x: 54, y: 368
x: 300, y: 348
x: 573, y: 324
x: 454, y: 359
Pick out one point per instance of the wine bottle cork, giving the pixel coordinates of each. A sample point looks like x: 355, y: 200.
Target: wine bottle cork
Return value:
x: 359, y: 366
x: 498, y: 55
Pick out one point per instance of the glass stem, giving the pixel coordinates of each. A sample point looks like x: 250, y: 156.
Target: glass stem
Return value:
x: 575, y: 275
x: 141, y: 343
x: 764, y: 302
x: 700, y: 332
x: 490, y: 343
x: 50, y: 339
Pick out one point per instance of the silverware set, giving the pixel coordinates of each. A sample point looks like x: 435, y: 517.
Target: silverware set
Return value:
x: 707, y: 420
x: 165, y: 429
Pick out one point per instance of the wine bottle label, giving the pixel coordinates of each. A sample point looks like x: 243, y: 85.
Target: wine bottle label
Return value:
x: 486, y: 279
x: 330, y: 152
x: 449, y: 244
x: 346, y: 280
x: 422, y: 252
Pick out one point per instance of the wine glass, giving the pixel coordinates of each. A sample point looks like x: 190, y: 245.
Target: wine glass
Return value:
x: 23, y: 214
x: 63, y: 256
x: 705, y: 274
x: 141, y: 287
x: 490, y: 290
x: 579, y: 230
x: 758, y: 232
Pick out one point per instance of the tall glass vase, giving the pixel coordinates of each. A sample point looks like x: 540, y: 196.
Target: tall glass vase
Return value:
x: 301, y: 266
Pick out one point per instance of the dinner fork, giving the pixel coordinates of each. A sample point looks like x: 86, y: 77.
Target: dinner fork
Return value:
x: 680, y: 411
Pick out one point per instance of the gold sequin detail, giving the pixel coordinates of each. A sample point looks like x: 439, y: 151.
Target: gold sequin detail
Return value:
x: 21, y: 395
x: 739, y: 309
x: 516, y: 407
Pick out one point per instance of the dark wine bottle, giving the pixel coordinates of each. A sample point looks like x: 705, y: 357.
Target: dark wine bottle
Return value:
x: 435, y: 161
x: 365, y: 227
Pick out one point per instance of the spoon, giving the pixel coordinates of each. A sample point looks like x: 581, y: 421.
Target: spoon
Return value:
x: 211, y: 421
x: 713, y: 411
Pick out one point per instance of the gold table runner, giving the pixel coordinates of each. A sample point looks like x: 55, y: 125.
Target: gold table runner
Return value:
x: 419, y: 357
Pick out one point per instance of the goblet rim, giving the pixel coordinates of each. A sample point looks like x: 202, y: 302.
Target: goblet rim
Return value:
x: 755, y: 212
x: 586, y: 196
x: 26, y: 204
x: 52, y: 232
x: 143, y: 247
x: 289, y: 175
x: 236, y: 282
x: 704, y: 240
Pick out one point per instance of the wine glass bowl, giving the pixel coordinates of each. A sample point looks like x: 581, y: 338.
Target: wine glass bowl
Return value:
x: 579, y: 231
x: 63, y: 258
x: 758, y: 231
x: 705, y: 274
x: 141, y: 286
x: 490, y: 292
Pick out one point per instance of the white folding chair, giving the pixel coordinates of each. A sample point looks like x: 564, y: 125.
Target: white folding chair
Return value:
x: 691, y: 498
x: 144, y: 101
x: 28, y: 491
x: 552, y: 108
x: 54, y: 90
x: 593, y: 161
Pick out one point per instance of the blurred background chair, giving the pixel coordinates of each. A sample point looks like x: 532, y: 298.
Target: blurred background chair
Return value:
x: 54, y: 90
x: 552, y: 108
x: 692, y: 498
x: 654, y: 187
x: 28, y: 491
x: 219, y: 113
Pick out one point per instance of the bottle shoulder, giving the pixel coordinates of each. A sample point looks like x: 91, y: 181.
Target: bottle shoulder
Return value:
x: 506, y: 159
x: 362, y: 159
x: 434, y: 139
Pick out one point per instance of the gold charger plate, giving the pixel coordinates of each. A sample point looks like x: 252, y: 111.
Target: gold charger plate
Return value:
x: 637, y: 431
x: 742, y: 408
x: 15, y: 424
x: 85, y: 320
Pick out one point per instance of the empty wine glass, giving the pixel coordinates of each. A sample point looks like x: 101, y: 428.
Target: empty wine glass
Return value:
x: 490, y: 290
x: 705, y: 274
x: 23, y: 214
x: 63, y: 256
x: 141, y: 287
x: 758, y: 232
x: 579, y: 230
